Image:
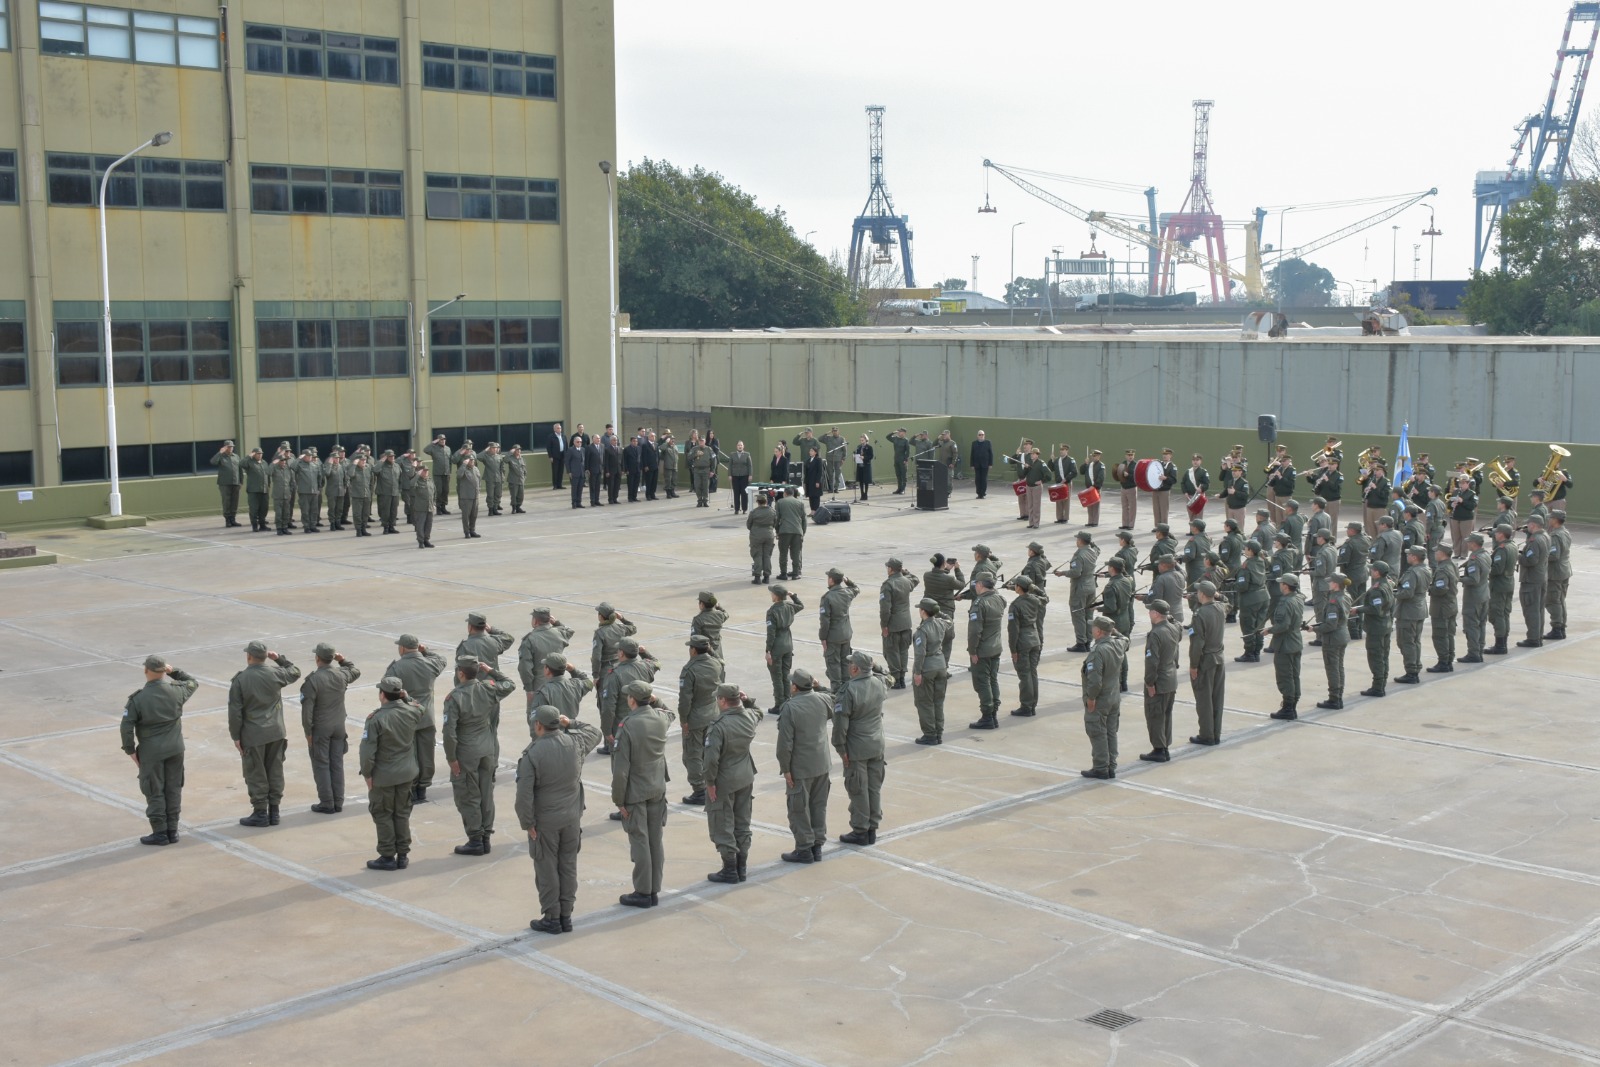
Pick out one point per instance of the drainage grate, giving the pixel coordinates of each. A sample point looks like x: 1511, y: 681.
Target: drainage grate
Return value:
x: 1111, y: 1019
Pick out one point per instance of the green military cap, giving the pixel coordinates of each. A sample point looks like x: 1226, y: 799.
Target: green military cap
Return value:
x: 707, y: 597
x: 1125, y: 536
x: 438, y: 437
x: 629, y: 645
x: 700, y: 642
x: 1085, y: 536
x: 1442, y: 547
x: 1558, y: 516
x: 1206, y: 587
x: 1161, y: 527
x: 640, y: 691
x: 155, y: 664
x: 1103, y: 624
x: 1417, y: 550
x: 1159, y: 606
x: 391, y: 684
x: 1475, y: 538
x: 1168, y: 559
x: 1507, y: 501
x: 836, y: 574
x: 388, y: 453
x: 323, y: 650
x: 1197, y: 524
x: 1231, y: 524
x: 1021, y: 581
x: 778, y: 590
x: 407, y: 641
x: 981, y: 549
x: 256, y: 649
x: 727, y: 691
x: 1324, y: 533
x: 861, y: 660
x: 1319, y: 500
x: 1121, y: 566
x: 1532, y: 492
x: 1283, y: 536
x: 1263, y: 512
x: 539, y: 612
x: 1536, y: 520
x: 467, y: 663
x: 494, y: 444
x: 1289, y: 580
x: 930, y: 605
x: 1386, y: 520
x: 801, y: 678
x: 547, y: 716
x: 1034, y: 546
x: 605, y: 608
x: 477, y: 619
x: 1352, y: 527
x: 556, y: 662
x: 256, y: 452
x: 894, y: 562
x: 1381, y: 567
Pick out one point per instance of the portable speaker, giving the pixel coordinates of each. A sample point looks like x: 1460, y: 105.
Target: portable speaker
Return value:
x: 1267, y: 428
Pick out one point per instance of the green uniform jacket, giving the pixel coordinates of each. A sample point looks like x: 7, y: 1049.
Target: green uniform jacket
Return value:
x: 669, y: 456
x: 1411, y: 595
x: 322, y: 696
x: 1205, y: 634
x: 1263, y: 535
x: 1502, y: 568
x: 360, y: 483
x: 894, y: 602
x: 1560, y: 557
x: 516, y: 469
x: 386, y: 478
x: 1355, y: 558
x: 791, y: 511
x: 1534, y: 564
x: 307, y: 476
x: 1231, y: 551
x: 1284, y: 561
x: 538, y: 643
x: 282, y: 479
x: 728, y: 763
x: 740, y: 465
x: 152, y: 720
x: 780, y: 638
x: 255, y: 702
x: 1324, y: 565
x: 419, y: 494
x: 1377, y: 607
x: 487, y: 646
x: 1475, y: 577
x: 489, y: 465
x: 1022, y: 623
x: 333, y: 476
x: 227, y: 464
x: 1169, y: 586
x: 1037, y: 473
x: 1129, y: 557
x: 900, y: 445
x: 565, y: 693
x: 708, y: 624
x: 471, y: 713
x: 1443, y: 602
x: 1081, y: 569
x: 833, y: 613
x: 1332, y: 623
x: 803, y: 734
x: 1251, y: 582
x: 640, y: 668
x: 1295, y: 526
x: 697, y: 691
x: 550, y: 777
x: 1037, y: 571
x: 985, y: 623
x: 762, y: 522
x: 943, y: 586
x: 1102, y: 673
x: 603, y: 649
x: 439, y: 456
x: 388, y: 748
x: 858, y: 717
x: 1287, y: 615
x: 1161, y: 656
x: 469, y: 484
x: 1162, y: 546
x: 257, y: 474
x: 927, y: 646
x: 639, y: 760
x: 1117, y: 602
x: 417, y: 671
x: 699, y: 458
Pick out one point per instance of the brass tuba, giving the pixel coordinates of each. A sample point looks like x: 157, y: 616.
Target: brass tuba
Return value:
x: 1547, y: 480
x: 1500, y: 478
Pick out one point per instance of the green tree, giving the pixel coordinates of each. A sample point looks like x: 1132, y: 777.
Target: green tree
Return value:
x: 1549, y: 280
x: 695, y: 252
x: 953, y: 283
x: 1021, y: 291
x: 1303, y: 284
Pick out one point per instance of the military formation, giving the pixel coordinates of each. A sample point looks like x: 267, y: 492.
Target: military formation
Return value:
x: 1397, y: 577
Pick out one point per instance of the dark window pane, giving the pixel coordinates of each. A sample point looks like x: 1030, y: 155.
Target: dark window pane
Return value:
x: 383, y: 70
x: 78, y: 370
x: 308, y: 174
x: 476, y: 181
x: 315, y: 365
x: 275, y: 365
x: 78, y: 336
x: 513, y: 331
x: 200, y: 168
x: 67, y: 161
x: 399, y: 440
x: 472, y: 55
x: 385, y: 178
x: 13, y: 372
x: 11, y: 338
x: 385, y: 203
x: 128, y: 370
x: 511, y: 185
x: 510, y: 59
x: 121, y: 191
x: 443, y: 204
x: 540, y: 62
x: 127, y: 336
x: 16, y: 468
x: 511, y: 207
x: 349, y: 200
x: 477, y: 206
x: 67, y: 188
x: 263, y: 33
x: 382, y: 44
x: 173, y: 459
x: 446, y: 361
x: 160, y: 166
x: 389, y: 333
x: 438, y: 51
x: 341, y: 176
x: 353, y: 333
x: 8, y: 187
x: 169, y: 336
x: 314, y: 333
x: 545, y: 330
x: 264, y: 58
x: 515, y: 359
x: 162, y: 192
x: 390, y: 363
x: 438, y: 75
x: 355, y: 364
x: 210, y: 335
x: 445, y: 332
x: 543, y: 208
x: 133, y: 461
x: 55, y: 47
x: 267, y: 172
x: 83, y: 464
x: 204, y: 195
x: 309, y: 199
x: 169, y: 368
x: 480, y: 331
x: 217, y: 368
x: 441, y: 181
x: 541, y: 86
x: 480, y: 361
x: 473, y: 79
x: 294, y: 36
x: 508, y: 81
x: 547, y: 359
x: 270, y: 198
x: 344, y: 66
x: 273, y: 333
x: 342, y: 40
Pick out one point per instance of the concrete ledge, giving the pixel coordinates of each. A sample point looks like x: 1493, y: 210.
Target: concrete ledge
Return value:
x: 38, y: 559
x: 116, y: 522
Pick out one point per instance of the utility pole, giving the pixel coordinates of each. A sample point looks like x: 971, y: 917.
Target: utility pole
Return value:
x: 1430, y: 233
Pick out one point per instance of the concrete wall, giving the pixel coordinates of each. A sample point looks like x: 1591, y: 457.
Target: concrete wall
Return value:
x: 1515, y: 388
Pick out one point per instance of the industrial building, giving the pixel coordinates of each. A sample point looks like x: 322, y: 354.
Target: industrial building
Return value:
x: 337, y: 171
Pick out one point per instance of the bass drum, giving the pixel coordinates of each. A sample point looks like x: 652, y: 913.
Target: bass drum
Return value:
x: 1149, y: 474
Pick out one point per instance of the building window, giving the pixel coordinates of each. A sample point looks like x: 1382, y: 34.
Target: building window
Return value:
x: 472, y: 345
x: 150, y: 351
x: 16, y: 468
x: 477, y: 197
x: 481, y: 70
x: 176, y: 459
x: 172, y: 184
x: 13, y: 355
x: 8, y: 173
x: 5, y: 26
x: 325, y: 191
x: 331, y: 348
x: 322, y: 54
x: 137, y: 36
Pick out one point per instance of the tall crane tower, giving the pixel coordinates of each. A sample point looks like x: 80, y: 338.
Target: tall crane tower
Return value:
x: 878, y: 225
x: 1538, y: 135
x: 1197, y: 217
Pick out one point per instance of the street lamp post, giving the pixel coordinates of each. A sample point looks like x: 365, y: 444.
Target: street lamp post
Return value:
x: 105, y: 300
x: 1012, y: 304
x: 611, y: 278
x: 1281, y: 252
x: 1394, y: 259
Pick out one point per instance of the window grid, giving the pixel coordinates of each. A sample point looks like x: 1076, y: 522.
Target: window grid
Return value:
x: 16, y: 468
x: 482, y: 70
x: 488, y: 199
x: 96, y: 32
x: 5, y: 26
x: 175, y: 459
x: 164, y: 351
x: 13, y: 354
x: 325, y: 54
x: 494, y: 345
x: 153, y: 183
x: 283, y: 190
x: 8, y: 157
x: 307, y: 349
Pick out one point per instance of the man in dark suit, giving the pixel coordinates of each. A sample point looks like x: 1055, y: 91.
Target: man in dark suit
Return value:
x: 556, y: 448
x: 594, y: 461
x: 980, y: 459
x: 611, y: 459
x: 630, y: 466
x: 649, y: 463
x: 574, y: 460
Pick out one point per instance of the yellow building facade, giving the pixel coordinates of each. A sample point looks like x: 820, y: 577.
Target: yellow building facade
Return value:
x: 338, y: 170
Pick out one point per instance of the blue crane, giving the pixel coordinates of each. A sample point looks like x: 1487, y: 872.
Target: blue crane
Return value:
x: 878, y: 225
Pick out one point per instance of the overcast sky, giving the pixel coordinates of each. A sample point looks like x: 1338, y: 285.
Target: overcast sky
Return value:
x: 1314, y: 103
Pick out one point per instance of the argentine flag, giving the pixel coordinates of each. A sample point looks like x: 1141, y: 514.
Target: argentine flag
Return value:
x: 1402, y: 457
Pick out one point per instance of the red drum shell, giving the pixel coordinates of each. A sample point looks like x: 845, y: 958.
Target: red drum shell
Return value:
x: 1148, y: 474
x: 1089, y: 497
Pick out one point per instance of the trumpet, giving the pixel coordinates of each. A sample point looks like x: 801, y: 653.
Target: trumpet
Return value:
x: 1548, y: 480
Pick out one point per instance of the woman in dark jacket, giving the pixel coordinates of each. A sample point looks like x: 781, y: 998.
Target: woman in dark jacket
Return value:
x: 716, y: 455
x: 864, y: 465
x: 813, y: 479
x: 780, y: 466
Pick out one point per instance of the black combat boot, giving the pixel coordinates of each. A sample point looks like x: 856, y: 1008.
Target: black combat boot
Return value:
x: 986, y: 721
x: 854, y: 837
x: 1408, y: 679
x: 637, y: 900
x: 1497, y: 649
x: 729, y: 875
x: 550, y: 924
x: 565, y: 920
x: 1557, y: 633
x: 744, y: 863
x: 1155, y: 755
x: 1441, y: 668
x: 1098, y: 773
x: 156, y: 836
x: 1333, y: 703
x: 1532, y: 642
x: 473, y: 847
x: 382, y: 863
x: 419, y: 793
x: 816, y: 852
x: 401, y: 861
x: 1373, y: 692
x: 927, y: 739
x: 486, y: 835
x: 272, y: 814
x: 1286, y: 713
x: 801, y: 854
x: 255, y: 818
x: 697, y: 797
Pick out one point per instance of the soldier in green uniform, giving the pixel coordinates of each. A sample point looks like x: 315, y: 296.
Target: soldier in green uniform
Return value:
x: 730, y: 773
x: 762, y: 522
x: 1285, y: 560
x: 547, y: 635
x: 1263, y: 532
x: 930, y: 669
x: 1411, y: 611
x: 152, y: 736
x: 1116, y: 604
x: 669, y: 465
x: 549, y: 807
x: 472, y: 746
x: 484, y: 641
x: 639, y: 790
x: 417, y: 668
x: 1081, y: 571
x: 791, y: 512
x: 469, y: 481
x: 1331, y: 624
x: 308, y: 484
x: 419, y: 500
x: 492, y: 469
x: 1250, y: 587
x: 256, y: 477
x: 1102, y: 696
x: 1160, y: 679
x: 1194, y: 551
x: 894, y: 619
x: 438, y: 454
x: 1376, y: 610
x: 699, y: 459
x: 943, y: 582
x: 563, y: 686
x: 1502, y: 587
x: 1167, y: 585
x: 516, y: 477
x: 1533, y: 572
x: 389, y: 765
x: 611, y: 629
x: 1206, y: 675
x: 708, y: 621
x: 1230, y: 550
x: 901, y: 446
x: 834, y: 630
x: 803, y: 760
x: 985, y: 630
x: 255, y: 722
x: 1558, y: 574
x: 1162, y: 546
x: 333, y: 485
x: 1022, y: 641
x: 1474, y: 577
x: 359, y: 486
x: 282, y: 482
x: 1321, y: 520
x: 386, y: 483
x: 983, y: 562
x: 1324, y: 564
x: 1354, y: 564
x: 1288, y: 616
x: 228, y: 477
x: 322, y: 717
x: 780, y: 642
x: 858, y: 738
x: 697, y: 706
x: 1036, y: 568
x: 634, y: 664
x: 1438, y: 516
x: 1442, y: 608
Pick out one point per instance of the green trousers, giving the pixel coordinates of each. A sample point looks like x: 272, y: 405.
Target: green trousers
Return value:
x: 1027, y: 663
x: 929, y: 696
x: 474, y: 794
x: 986, y: 683
x: 258, y: 509
x: 515, y: 488
x: 230, y: 501
x: 863, y: 783
x: 779, y: 670
x: 441, y: 492
x: 1333, y: 666
x: 469, y: 516
x: 1408, y: 635
x: 728, y: 820
x: 807, y: 802
x: 789, y: 546
x: 492, y: 491
x: 702, y: 485
x: 1286, y: 669
x: 1158, y: 719
x: 555, y: 867
x: 423, y: 741
x: 1500, y: 615
x: 669, y: 475
x: 1101, y: 726
x: 1251, y: 618
x: 1555, y: 599
x: 161, y: 782
x: 761, y: 559
x: 836, y: 654
x: 694, y: 761
x: 390, y: 807
x: 387, y: 510
x: 644, y: 823
x: 263, y: 773
x: 1378, y: 656
x: 310, y: 510
x: 362, y: 506
x: 1474, y: 616
x: 1444, y: 635
x: 896, y: 647
x: 282, y: 511
x: 1078, y: 600
x: 1209, y: 687
x: 1532, y: 596
x: 327, y: 765
x: 422, y: 526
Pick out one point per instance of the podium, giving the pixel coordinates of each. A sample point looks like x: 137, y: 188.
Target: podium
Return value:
x: 933, y: 485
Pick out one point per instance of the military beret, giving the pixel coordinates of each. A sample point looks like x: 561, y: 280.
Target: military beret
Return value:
x: 894, y: 562
x: 928, y: 604
x: 699, y: 641
x: 802, y: 678
x: 629, y: 645
x: 1034, y: 546
x: 836, y: 574
x: 256, y: 649
x: 1289, y: 580
x: 1103, y: 624
x: 391, y: 684
x: 640, y: 691
x: 556, y: 661
x: 1381, y: 567
x: 477, y: 619
x: 323, y: 650
x: 1022, y: 581
x: 155, y: 664
x: 727, y: 691
x: 1206, y: 587
x: 1158, y: 605
x: 707, y: 597
x: 605, y: 608
x: 778, y: 590
x: 407, y: 641
x: 861, y: 660
x: 548, y: 716
x: 981, y: 549
x: 1161, y: 527
x: 1197, y: 524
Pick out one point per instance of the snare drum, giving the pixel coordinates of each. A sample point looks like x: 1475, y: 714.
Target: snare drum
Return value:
x: 1089, y: 497
x: 1197, y: 505
x: 1060, y: 492
x: 1020, y: 487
